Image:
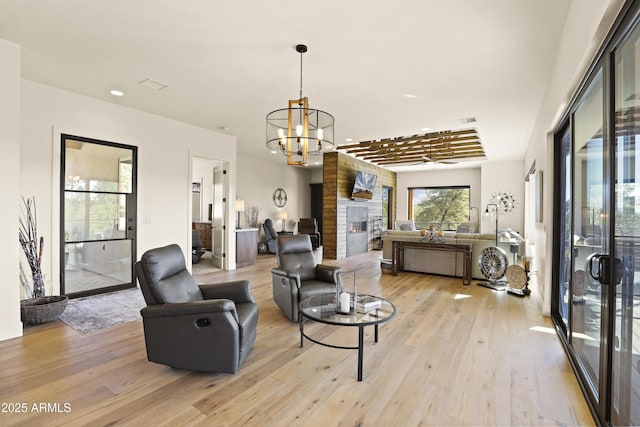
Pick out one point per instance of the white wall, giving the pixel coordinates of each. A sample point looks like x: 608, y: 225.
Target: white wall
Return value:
x: 316, y: 175
x: 165, y: 149
x: 258, y: 179
x: 436, y: 178
x: 587, y: 24
x: 10, y: 325
x: 499, y: 177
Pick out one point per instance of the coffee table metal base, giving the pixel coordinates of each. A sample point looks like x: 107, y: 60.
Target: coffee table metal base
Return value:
x: 360, y: 346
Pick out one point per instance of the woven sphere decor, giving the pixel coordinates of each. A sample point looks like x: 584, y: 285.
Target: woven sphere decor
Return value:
x: 34, y: 311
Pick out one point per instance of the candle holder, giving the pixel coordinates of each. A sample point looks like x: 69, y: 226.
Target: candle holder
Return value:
x: 346, y: 294
x: 527, y: 270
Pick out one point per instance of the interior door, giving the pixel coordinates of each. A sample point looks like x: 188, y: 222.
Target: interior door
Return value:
x: 98, y: 216
x: 218, y: 220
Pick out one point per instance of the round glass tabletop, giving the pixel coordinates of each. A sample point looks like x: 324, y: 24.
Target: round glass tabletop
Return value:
x: 322, y: 308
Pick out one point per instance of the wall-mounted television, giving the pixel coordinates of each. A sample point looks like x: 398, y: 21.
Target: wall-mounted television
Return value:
x: 364, y: 186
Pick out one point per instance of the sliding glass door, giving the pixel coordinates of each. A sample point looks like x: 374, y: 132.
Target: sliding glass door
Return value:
x: 590, y: 230
x: 625, y: 369
x: 596, y: 280
x: 98, y: 216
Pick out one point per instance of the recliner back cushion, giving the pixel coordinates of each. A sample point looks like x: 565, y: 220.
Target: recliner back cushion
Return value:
x: 307, y: 226
x: 304, y: 264
x: 166, y: 274
x: 295, y: 253
x: 269, y: 231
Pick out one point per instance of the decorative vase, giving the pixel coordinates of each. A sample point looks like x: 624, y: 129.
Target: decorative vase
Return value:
x: 34, y: 311
x: 346, y: 295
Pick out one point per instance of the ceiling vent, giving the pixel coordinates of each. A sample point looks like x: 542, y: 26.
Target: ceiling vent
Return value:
x: 153, y: 84
x: 468, y: 120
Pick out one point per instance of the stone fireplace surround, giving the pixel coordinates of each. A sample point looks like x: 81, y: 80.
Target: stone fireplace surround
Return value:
x: 357, y: 230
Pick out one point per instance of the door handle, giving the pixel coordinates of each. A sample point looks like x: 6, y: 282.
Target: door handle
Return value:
x: 602, y: 275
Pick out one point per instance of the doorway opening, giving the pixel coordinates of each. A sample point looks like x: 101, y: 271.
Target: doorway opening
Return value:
x: 208, y: 215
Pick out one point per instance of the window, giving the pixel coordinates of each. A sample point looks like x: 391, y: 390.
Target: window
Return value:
x: 441, y: 207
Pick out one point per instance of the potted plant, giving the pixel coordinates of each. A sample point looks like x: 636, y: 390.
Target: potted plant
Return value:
x: 37, y: 308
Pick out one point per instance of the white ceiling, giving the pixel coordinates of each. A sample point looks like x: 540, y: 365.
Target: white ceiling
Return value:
x: 229, y: 63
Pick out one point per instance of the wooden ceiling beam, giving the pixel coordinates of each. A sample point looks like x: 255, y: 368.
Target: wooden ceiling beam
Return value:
x: 435, y: 146
x: 400, y: 161
x: 405, y: 147
x: 427, y: 136
x: 430, y: 153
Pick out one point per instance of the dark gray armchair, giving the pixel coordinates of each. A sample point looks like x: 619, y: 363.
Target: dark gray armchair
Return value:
x: 298, y: 276
x: 310, y: 226
x: 189, y: 326
x: 196, y: 247
x: 271, y: 234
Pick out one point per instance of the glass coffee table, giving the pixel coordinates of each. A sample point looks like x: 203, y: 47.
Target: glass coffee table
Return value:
x: 322, y: 308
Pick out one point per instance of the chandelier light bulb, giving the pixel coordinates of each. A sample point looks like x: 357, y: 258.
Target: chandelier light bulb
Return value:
x: 320, y: 134
x: 299, y: 130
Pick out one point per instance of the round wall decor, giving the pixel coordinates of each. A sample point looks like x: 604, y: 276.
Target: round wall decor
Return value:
x: 492, y: 263
x: 516, y: 277
x: 280, y: 197
x: 506, y: 201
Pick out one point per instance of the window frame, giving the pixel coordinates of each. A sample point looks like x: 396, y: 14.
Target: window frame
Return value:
x: 410, y: 197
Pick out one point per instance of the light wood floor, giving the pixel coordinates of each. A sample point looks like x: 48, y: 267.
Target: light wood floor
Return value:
x: 454, y: 355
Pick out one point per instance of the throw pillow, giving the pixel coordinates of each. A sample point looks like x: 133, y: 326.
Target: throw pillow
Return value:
x: 467, y: 227
x: 463, y: 228
x: 406, y: 227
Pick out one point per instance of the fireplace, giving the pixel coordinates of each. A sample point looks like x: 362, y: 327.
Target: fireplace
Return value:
x: 357, y: 234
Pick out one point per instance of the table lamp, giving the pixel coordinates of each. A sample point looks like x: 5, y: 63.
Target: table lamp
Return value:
x: 239, y: 208
x: 283, y: 216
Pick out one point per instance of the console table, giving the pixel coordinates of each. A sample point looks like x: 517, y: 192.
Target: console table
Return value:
x: 465, y: 248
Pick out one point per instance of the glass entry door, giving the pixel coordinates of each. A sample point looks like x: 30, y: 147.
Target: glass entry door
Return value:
x: 98, y: 216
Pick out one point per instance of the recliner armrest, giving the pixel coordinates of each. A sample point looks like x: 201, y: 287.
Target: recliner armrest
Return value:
x: 237, y: 291
x: 188, y: 308
x: 291, y: 275
x: 327, y: 273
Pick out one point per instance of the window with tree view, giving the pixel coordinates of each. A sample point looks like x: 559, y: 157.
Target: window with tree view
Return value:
x: 440, y: 207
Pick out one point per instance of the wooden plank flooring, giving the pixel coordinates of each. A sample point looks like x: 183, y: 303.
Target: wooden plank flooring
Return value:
x: 454, y: 355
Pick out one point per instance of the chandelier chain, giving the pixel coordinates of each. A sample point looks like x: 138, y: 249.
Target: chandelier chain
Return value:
x: 301, y: 75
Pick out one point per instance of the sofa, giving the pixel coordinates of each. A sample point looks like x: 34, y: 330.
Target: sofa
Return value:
x: 449, y: 263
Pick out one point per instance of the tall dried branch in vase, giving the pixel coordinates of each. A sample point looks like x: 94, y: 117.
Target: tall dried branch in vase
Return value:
x: 32, y: 247
x: 251, y: 215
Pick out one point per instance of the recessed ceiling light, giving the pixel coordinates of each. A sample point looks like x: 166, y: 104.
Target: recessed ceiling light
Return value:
x: 273, y: 152
x: 115, y: 92
x: 468, y: 120
x: 425, y: 129
x: 410, y: 95
x: 349, y: 139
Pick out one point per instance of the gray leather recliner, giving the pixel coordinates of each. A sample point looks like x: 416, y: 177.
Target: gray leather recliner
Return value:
x: 271, y: 235
x: 208, y: 327
x: 298, y: 276
x: 310, y: 226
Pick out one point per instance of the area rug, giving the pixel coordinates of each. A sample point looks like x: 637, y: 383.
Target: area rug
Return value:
x: 90, y: 314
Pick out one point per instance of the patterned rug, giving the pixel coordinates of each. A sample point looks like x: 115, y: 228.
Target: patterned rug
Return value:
x: 90, y: 314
